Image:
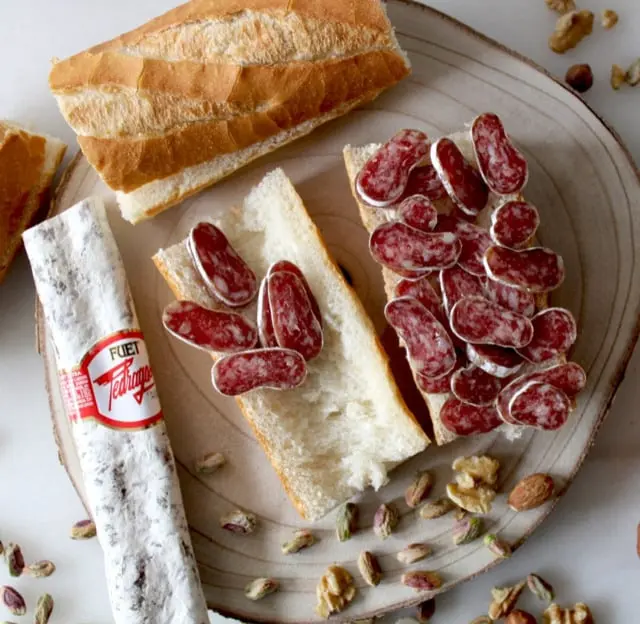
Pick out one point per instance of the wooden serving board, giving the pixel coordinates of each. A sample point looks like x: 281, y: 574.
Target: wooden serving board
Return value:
x: 586, y: 188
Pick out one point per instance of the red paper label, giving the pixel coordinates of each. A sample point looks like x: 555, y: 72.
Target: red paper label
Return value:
x: 113, y: 384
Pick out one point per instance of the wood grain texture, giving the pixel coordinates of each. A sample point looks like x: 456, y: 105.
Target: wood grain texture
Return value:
x: 587, y: 191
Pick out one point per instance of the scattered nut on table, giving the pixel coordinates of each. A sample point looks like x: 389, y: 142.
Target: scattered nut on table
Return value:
x: 426, y: 611
x: 477, y: 499
x: 609, y: 18
x: 436, y: 509
x: 520, y: 617
x: 578, y: 614
x: 540, y: 588
x: 570, y: 30
x: 504, y: 600
x: 335, y: 591
x: 580, y: 77
x: 531, y: 492
x: 561, y: 6
x: 632, y: 75
x: 419, y: 489
x: 370, y: 569
x: 481, y: 468
x: 618, y: 76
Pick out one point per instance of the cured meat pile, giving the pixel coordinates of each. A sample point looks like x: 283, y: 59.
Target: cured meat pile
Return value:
x: 289, y: 328
x: 469, y: 306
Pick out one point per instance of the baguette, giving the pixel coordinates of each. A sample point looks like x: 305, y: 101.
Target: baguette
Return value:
x: 347, y: 425
x: 183, y: 101
x: 28, y: 164
x: 355, y: 158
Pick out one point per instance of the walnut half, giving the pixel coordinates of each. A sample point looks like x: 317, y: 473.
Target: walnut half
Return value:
x: 571, y: 29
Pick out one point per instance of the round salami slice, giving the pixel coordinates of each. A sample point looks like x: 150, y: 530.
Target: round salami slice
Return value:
x: 265, y: 322
x: 401, y: 247
x: 480, y: 321
x: 475, y: 242
x: 535, y: 270
x: 514, y: 223
x: 424, y: 180
x: 423, y: 291
x: 464, y: 419
x: 418, y: 212
x: 285, y: 265
x: 514, y: 299
x: 431, y: 351
x: 294, y: 323
x: 474, y: 386
x: 210, y: 330
x: 502, y: 166
x: 438, y: 385
x: 222, y: 269
x: 277, y: 369
x: 541, y: 406
x: 455, y: 283
x: 385, y: 175
x: 460, y: 179
x: 554, y: 332
x: 496, y: 361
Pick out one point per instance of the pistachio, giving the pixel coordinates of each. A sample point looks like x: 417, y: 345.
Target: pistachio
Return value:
x: 13, y: 600
x: 369, y: 568
x: 413, y: 553
x: 540, y: 588
x: 83, y: 530
x: 425, y: 610
x: 302, y: 538
x: 44, y: 608
x: 15, y: 559
x: 483, y: 619
x: 520, y: 617
x: 498, y: 547
x: 347, y: 521
x: 531, y: 492
x: 421, y: 580
x: 467, y: 530
x: 504, y: 600
x: 483, y: 468
x: 632, y: 75
x: 334, y: 591
x: 476, y: 499
x: 261, y: 587
x: 210, y: 463
x: 238, y: 521
x: 385, y: 520
x: 40, y: 569
x: 436, y: 509
x: 419, y: 489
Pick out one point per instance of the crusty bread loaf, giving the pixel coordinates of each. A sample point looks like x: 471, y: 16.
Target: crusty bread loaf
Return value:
x: 355, y: 158
x: 28, y: 164
x: 347, y: 425
x: 176, y: 105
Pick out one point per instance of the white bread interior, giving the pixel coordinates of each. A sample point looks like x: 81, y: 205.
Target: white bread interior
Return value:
x: 347, y: 425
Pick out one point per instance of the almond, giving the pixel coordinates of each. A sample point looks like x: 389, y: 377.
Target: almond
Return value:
x: 531, y: 492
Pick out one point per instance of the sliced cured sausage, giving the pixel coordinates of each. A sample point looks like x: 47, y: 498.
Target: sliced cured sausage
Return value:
x: 277, y: 369
x: 401, y: 247
x: 286, y: 265
x: 431, y: 351
x: 474, y: 386
x: 423, y: 291
x: 514, y: 223
x: 475, y: 242
x: 496, y: 361
x: 211, y: 330
x: 502, y: 166
x: 480, y: 321
x: 424, y: 180
x: 540, y: 405
x: 460, y: 179
x: 438, y: 385
x: 455, y: 284
x: 464, y: 419
x: 509, y: 297
x: 535, y: 270
x: 382, y: 180
x: 554, y: 332
x: 265, y: 322
x: 418, y: 212
x: 294, y: 324
x: 225, y: 273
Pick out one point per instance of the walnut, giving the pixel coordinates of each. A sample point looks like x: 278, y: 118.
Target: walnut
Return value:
x: 476, y: 500
x: 579, y: 614
x: 561, y: 6
x: 571, y: 29
x: 580, y: 77
x: 484, y: 468
x: 618, y: 76
x: 335, y: 591
x: 609, y: 18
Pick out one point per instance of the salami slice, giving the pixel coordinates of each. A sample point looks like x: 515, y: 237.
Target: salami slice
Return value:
x: 285, y: 265
x: 223, y: 270
x: 460, y: 179
x: 294, y: 323
x: 496, y: 361
x: 511, y: 298
x: 418, y: 212
x: 385, y: 175
x: 423, y: 291
x: 554, y: 331
x: 535, y: 270
x: 464, y: 419
x: 541, y: 406
x: 424, y: 180
x: 277, y: 369
x: 480, y: 321
x: 412, y: 275
x: 439, y: 385
x: 265, y: 322
x: 475, y: 242
x: 401, y: 247
x: 431, y: 351
x: 514, y: 223
x: 474, y: 386
x: 502, y: 166
x: 456, y: 284
x: 211, y: 330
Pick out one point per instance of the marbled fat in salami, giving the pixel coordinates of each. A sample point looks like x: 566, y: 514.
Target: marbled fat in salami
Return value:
x: 424, y: 180
x: 423, y: 291
x: 554, y: 332
x: 418, y: 212
x: 514, y: 223
x: 290, y: 267
x: 464, y: 419
x: 475, y: 242
x: 497, y: 361
x: 474, y: 386
x: 455, y: 284
x: 541, y: 406
x: 511, y: 298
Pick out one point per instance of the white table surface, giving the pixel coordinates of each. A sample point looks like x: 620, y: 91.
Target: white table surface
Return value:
x: 587, y: 546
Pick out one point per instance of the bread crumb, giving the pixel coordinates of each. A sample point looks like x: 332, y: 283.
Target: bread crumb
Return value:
x: 561, y: 6
x: 618, y: 76
x: 609, y: 18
